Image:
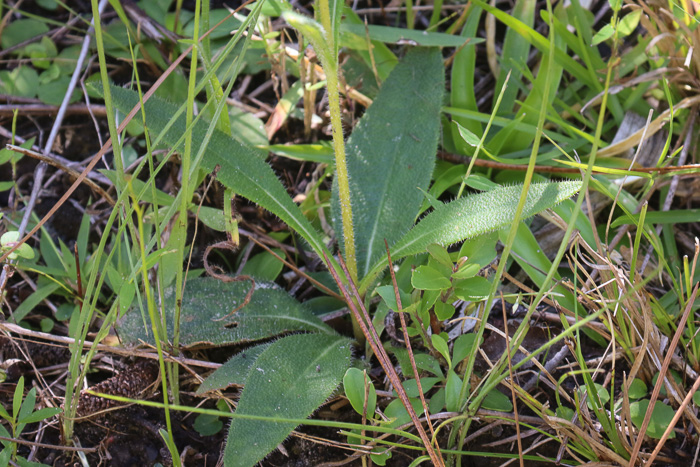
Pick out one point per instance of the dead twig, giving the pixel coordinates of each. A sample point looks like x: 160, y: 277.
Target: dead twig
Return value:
x: 47, y: 446
x: 660, y: 381
x: 15, y: 329
x: 49, y: 110
x: 59, y: 165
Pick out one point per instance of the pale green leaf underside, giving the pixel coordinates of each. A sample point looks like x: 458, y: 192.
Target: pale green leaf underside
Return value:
x: 391, y: 155
x: 271, y: 311
x: 241, y: 167
x: 290, y: 379
x: 476, y: 214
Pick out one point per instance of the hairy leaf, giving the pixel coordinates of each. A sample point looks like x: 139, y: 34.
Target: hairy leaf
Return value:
x: 290, y: 379
x: 233, y: 371
x: 476, y: 214
x: 391, y: 155
x: 206, y: 318
x: 241, y: 167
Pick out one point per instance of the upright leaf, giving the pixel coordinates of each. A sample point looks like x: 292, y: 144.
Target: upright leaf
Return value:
x: 514, y: 54
x: 462, y: 87
x: 538, y: 40
x: 290, y: 379
x: 391, y: 154
x: 530, y: 109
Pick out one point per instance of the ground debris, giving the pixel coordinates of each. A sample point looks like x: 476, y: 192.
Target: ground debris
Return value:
x: 130, y: 383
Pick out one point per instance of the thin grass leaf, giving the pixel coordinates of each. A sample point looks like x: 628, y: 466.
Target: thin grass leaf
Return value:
x: 462, y: 89
x: 580, y: 42
x: 391, y: 35
x: 321, y: 153
x: 607, y: 170
x: 503, y: 122
x: 685, y: 216
x: 539, y: 41
x: 32, y: 301
x: 384, y: 59
x: 515, y: 51
x: 526, y: 113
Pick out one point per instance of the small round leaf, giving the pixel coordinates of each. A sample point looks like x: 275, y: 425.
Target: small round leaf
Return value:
x: 354, y: 383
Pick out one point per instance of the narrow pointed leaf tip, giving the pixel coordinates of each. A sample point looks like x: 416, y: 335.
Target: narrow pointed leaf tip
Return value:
x: 481, y: 213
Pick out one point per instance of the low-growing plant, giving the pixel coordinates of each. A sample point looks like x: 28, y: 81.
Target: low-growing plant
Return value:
x: 240, y: 168
x: 379, y: 195
x: 389, y: 197
x: 9, y: 240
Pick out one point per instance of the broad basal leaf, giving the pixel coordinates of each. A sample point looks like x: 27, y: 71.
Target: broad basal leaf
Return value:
x: 476, y: 214
x: 241, y: 168
x: 290, y: 379
x: 271, y: 311
x: 391, y: 155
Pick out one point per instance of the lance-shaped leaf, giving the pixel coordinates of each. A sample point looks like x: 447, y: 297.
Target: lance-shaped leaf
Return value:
x: 207, y: 320
x: 476, y: 214
x: 289, y: 380
x: 391, y: 155
x: 241, y: 167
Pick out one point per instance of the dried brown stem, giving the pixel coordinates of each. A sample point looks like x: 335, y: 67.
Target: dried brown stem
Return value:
x: 662, y: 375
x: 407, y: 341
x: 365, y: 323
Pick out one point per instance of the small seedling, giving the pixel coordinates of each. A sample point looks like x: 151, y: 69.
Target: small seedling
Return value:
x: 22, y: 414
x: 9, y: 240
